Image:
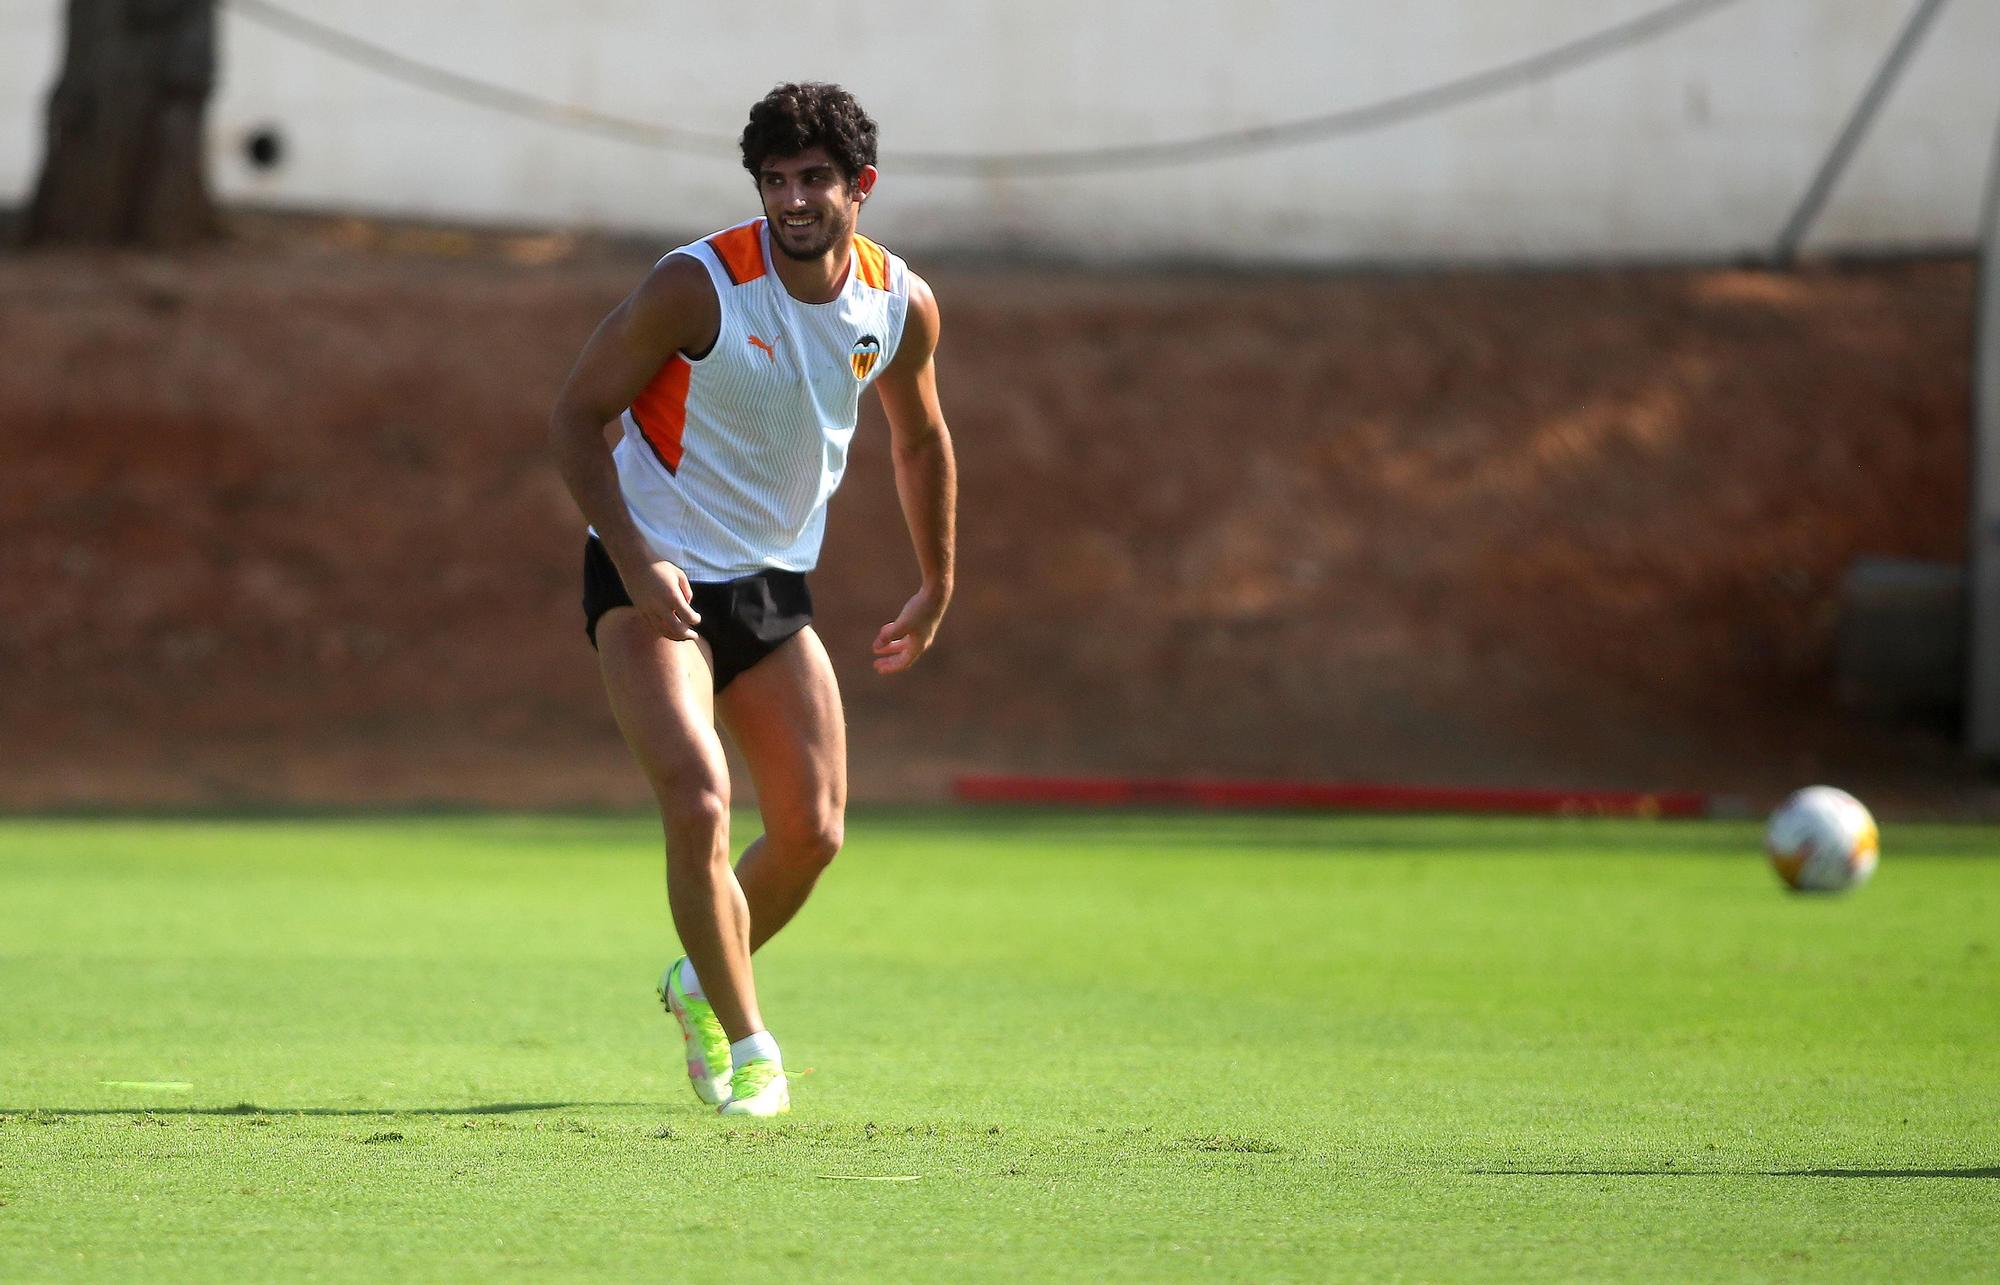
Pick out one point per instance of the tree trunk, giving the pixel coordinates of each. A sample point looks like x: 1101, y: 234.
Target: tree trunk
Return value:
x: 126, y: 163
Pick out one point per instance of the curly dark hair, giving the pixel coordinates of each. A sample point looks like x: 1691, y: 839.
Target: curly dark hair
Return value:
x: 792, y: 118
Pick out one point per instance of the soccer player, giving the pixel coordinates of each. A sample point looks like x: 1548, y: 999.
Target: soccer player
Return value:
x: 732, y: 377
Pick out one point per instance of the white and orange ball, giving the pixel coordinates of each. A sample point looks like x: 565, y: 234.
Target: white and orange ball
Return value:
x: 1822, y: 840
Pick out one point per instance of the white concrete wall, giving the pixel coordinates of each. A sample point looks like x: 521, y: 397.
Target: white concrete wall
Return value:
x: 30, y: 53
x: 1694, y: 145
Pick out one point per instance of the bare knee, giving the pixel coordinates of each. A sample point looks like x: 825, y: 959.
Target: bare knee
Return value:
x: 810, y: 843
x: 695, y: 817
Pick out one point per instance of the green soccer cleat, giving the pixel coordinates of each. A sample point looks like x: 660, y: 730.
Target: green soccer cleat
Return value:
x: 701, y: 1035
x: 758, y: 1088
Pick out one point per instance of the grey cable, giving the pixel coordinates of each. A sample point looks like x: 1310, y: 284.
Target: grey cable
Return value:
x: 1786, y: 252
x: 469, y: 89
x: 1351, y: 120
x: 1388, y: 111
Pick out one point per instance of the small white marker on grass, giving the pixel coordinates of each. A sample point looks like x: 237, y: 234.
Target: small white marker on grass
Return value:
x: 151, y: 1086
x: 871, y: 1177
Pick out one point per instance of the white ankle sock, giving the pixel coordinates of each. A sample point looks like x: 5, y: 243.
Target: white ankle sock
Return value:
x: 689, y: 982
x: 752, y: 1047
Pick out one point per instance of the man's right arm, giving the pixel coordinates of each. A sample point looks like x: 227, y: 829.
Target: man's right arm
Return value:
x: 674, y: 310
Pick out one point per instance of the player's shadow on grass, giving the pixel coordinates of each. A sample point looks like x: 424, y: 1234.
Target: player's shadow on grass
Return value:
x: 1971, y: 1172
x: 251, y: 1108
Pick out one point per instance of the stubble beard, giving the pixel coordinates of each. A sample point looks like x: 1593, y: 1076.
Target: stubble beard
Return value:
x: 831, y: 225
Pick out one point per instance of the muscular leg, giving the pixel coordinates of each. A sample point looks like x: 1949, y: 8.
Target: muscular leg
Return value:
x: 784, y: 715
x: 662, y: 696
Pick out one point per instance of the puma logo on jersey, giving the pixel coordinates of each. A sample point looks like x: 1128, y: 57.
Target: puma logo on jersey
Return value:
x: 769, y: 350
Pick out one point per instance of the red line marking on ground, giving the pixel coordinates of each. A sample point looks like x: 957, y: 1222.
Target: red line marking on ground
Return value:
x: 1109, y: 791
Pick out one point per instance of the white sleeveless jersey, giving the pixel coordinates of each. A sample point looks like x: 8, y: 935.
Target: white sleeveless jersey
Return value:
x: 728, y: 461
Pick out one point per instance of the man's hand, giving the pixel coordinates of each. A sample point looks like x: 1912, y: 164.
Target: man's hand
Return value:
x: 909, y: 635
x: 661, y: 593
x: 926, y: 481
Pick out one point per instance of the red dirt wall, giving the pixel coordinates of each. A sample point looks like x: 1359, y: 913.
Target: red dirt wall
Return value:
x: 277, y: 525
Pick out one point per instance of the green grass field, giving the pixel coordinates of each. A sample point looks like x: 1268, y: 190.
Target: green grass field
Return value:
x: 1034, y: 1046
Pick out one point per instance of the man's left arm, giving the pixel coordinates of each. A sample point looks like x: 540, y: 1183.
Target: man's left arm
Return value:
x: 926, y: 481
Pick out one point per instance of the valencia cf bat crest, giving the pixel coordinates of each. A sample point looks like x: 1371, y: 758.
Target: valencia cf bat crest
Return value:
x: 867, y: 351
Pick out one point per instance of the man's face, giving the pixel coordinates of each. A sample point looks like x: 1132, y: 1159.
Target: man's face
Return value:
x: 809, y: 202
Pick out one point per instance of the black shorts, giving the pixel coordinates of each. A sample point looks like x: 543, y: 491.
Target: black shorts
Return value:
x: 742, y: 621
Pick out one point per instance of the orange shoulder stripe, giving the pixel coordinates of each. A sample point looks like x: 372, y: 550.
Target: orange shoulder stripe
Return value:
x: 741, y: 251
x: 872, y: 262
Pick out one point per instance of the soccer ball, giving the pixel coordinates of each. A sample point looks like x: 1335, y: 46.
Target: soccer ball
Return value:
x: 1822, y: 840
